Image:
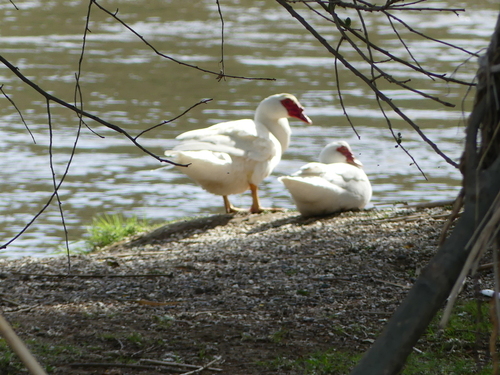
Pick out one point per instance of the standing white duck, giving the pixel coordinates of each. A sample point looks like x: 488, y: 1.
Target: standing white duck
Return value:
x: 232, y: 157
x: 336, y: 183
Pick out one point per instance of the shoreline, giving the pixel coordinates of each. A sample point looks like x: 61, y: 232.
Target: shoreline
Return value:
x: 247, y: 288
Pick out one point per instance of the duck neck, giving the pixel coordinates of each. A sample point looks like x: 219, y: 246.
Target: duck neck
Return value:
x: 278, y: 127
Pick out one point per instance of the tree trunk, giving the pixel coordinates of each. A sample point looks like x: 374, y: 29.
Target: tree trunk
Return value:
x: 481, y: 169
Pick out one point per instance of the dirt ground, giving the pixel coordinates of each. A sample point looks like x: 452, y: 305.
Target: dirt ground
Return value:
x: 244, y: 290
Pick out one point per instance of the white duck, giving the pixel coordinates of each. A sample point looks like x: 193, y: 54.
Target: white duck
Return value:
x: 232, y: 157
x: 336, y: 183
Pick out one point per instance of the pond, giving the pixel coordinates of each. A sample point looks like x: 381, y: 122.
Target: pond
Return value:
x: 123, y: 81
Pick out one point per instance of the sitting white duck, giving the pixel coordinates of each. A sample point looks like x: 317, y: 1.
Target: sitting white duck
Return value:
x: 232, y: 157
x: 336, y: 183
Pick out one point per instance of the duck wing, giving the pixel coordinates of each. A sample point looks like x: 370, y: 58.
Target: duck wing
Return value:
x: 236, y: 138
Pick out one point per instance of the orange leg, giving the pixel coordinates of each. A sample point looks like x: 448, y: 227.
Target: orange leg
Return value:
x: 230, y: 209
x: 256, y: 207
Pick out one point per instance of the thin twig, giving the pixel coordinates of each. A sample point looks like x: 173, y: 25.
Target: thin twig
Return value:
x: 61, y: 102
x: 106, y: 365
x: 392, y: 284
x: 366, y: 80
x: 373, y: 66
x: 400, y: 60
x: 87, y: 276
x: 217, y: 359
x: 217, y: 74
x: 404, y: 43
x: 204, y: 101
x: 368, y: 7
x: 14, y: 5
x: 374, y: 86
x: 8, y: 300
x: 78, y: 99
x: 18, y: 111
x: 221, y: 62
x: 339, y: 91
x: 33, y: 219
x: 54, y: 176
x: 175, y: 364
x: 457, y: 206
x: 428, y: 37
x: 78, y: 102
x: 55, y: 193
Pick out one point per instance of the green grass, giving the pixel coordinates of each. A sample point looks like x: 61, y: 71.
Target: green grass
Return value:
x: 320, y: 363
x: 439, y: 364
x: 278, y: 336
x: 136, y: 338
x: 9, y: 362
x: 108, y: 229
x: 439, y: 352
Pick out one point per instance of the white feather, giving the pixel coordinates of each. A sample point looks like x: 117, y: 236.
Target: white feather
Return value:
x: 324, y: 188
x: 227, y: 157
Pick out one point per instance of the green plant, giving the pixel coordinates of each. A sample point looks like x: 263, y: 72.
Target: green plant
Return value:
x: 440, y: 363
x: 108, y: 229
x: 447, y: 351
x: 9, y: 363
x: 319, y: 363
x: 278, y: 336
x: 279, y: 364
x: 202, y: 353
x: 330, y: 362
x: 135, y: 338
x: 468, y: 320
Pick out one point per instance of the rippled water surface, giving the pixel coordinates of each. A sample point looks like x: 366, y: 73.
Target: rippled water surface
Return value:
x: 124, y: 82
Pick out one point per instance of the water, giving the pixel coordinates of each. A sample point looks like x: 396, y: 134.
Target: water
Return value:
x: 124, y: 82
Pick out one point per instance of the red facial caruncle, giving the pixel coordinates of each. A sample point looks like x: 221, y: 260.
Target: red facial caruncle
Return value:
x: 295, y: 110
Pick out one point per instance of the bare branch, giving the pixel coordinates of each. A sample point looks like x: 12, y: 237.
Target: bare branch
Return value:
x: 395, y: 58
x: 204, y: 101
x: 57, y: 186
x: 217, y: 74
x: 14, y: 4
x: 369, y: 7
x: 368, y: 82
x: 54, y: 177
x: 33, y: 219
x: 222, y: 70
x: 404, y: 43
x: 341, y: 99
x: 78, y: 111
x: 372, y: 69
x: 428, y: 37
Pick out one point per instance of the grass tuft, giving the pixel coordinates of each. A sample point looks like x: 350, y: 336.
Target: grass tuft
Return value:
x: 108, y: 229
x: 460, y: 349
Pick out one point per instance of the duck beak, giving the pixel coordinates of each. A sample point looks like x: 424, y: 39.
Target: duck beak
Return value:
x: 298, y: 112
x: 294, y: 109
x: 355, y: 162
x: 304, y: 118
